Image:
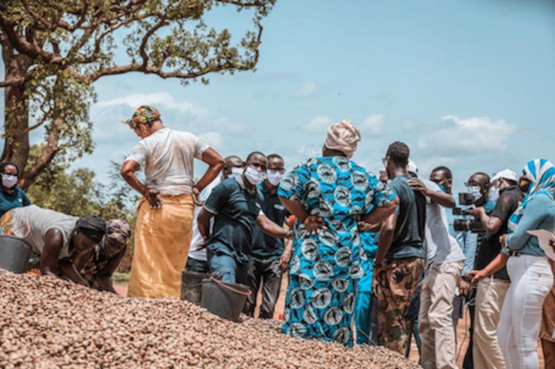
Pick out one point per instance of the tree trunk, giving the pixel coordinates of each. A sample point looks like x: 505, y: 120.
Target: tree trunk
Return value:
x: 16, y: 110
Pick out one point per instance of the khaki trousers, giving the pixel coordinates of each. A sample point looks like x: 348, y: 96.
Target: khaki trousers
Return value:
x: 436, y: 316
x: 489, y: 300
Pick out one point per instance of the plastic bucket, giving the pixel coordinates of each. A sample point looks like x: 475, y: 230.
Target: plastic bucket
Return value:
x: 191, y: 286
x: 14, y: 253
x: 225, y: 300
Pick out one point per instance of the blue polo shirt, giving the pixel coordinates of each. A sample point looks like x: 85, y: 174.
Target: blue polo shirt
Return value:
x: 16, y: 199
x: 265, y: 246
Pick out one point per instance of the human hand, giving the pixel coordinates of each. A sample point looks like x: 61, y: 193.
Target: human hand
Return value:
x: 464, y: 287
x: 284, y: 260
x: 196, y: 197
x: 477, y: 275
x: 313, y: 224
x: 476, y: 212
x: 503, y: 240
x: 365, y: 227
x: 417, y: 185
x: 153, y: 199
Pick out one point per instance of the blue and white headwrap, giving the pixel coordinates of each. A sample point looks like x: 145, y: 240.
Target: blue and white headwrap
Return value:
x: 541, y: 174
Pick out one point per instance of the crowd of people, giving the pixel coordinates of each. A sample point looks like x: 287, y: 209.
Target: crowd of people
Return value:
x: 368, y: 259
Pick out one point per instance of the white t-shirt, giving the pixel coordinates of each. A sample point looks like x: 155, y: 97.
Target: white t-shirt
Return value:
x: 197, y: 239
x: 39, y: 221
x: 168, y: 158
x: 441, y: 247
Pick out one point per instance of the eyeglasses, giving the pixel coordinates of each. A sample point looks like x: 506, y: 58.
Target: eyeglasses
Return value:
x: 471, y: 184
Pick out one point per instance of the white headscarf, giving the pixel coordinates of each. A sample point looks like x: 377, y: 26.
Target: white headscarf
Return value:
x: 343, y: 136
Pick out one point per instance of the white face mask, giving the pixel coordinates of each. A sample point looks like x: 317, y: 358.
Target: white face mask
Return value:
x: 275, y: 177
x: 494, y: 193
x: 475, y: 191
x: 254, y: 176
x: 235, y: 172
x: 8, y: 180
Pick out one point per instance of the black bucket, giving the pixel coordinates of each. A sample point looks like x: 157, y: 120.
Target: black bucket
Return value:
x: 14, y: 253
x: 225, y: 300
x: 191, y: 286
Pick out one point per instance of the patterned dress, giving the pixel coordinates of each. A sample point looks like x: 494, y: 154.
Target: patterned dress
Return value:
x: 325, y: 267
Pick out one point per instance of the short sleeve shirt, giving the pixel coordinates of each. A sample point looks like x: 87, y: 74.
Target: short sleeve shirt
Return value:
x: 505, y: 206
x: 235, y: 211
x: 39, y: 221
x: 411, y: 220
x: 168, y: 157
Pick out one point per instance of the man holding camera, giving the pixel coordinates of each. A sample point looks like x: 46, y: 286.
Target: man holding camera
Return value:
x: 471, y: 239
x: 491, y: 290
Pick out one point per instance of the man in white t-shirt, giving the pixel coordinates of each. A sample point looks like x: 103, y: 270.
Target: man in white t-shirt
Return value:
x: 444, y: 263
x: 198, y: 259
x: 165, y: 214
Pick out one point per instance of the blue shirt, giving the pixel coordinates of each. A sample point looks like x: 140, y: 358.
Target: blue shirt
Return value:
x: 16, y: 199
x: 539, y: 213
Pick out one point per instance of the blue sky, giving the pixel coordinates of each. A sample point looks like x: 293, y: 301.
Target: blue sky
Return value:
x: 469, y: 84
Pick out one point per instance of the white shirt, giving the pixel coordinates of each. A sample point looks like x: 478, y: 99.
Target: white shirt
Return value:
x: 168, y: 157
x: 197, y: 239
x: 441, y: 247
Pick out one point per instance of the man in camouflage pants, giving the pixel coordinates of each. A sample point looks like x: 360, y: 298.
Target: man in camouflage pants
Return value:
x: 400, y: 256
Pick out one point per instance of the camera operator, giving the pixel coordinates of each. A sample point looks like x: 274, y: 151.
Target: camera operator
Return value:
x: 491, y: 290
x: 471, y: 241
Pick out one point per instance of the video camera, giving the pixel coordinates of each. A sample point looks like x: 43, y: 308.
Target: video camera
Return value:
x: 464, y: 225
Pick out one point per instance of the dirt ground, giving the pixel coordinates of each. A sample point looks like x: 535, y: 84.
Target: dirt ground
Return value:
x: 462, y: 327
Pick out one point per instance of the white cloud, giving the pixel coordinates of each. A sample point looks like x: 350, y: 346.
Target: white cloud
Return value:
x: 318, y: 124
x: 224, y: 124
x: 307, y: 88
x: 477, y: 135
x: 214, y: 139
x: 159, y: 100
x: 372, y: 126
x: 309, y: 151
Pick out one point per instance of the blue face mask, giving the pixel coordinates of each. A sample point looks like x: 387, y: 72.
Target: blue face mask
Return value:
x: 442, y: 187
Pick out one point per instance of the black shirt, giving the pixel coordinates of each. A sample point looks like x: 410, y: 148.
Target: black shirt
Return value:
x: 509, y: 199
x: 265, y: 246
x: 235, y: 212
x: 409, y: 230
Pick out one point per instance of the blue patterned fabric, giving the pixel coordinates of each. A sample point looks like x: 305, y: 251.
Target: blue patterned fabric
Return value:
x: 325, y: 268
x: 541, y: 173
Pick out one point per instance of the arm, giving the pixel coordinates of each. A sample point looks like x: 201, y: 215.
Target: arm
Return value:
x: 437, y: 196
x: 532, y: 216
x: 295, y: 208
x: 215, y: 165
x: 68, y: 269
x: 128, y: 170
x: 104, y: 276
x: 269, y: 227
x: 379, y: 213
x: 285, y: 257
x: 492, y: 224
x: 50, y: 252
x: 386, y: 238
x: 499, y: 262
x: 203, y: 221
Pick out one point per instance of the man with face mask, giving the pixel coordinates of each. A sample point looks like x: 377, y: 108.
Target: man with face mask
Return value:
x: 197, y: 260
x: 266, y: 263
x: 236, y: 205
x: 11, y: 196
x: 491, y: 291
x: 444, y: 263
x: 478, y: 185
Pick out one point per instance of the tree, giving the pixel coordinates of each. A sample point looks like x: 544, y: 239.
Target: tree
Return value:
x: 54, y: 50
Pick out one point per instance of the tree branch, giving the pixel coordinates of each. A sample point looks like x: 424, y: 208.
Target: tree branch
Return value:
x: 146, y: 37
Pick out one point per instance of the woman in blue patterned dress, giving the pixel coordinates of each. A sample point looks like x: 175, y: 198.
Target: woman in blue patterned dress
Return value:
x: 327, y: 195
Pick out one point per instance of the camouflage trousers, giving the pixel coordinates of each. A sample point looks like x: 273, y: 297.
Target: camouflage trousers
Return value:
x: 395, y: 286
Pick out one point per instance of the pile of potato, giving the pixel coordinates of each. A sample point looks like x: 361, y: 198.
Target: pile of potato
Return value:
x: 48, y: 323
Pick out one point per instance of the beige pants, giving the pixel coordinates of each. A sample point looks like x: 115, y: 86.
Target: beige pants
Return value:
x: 436, y: 315
x: 489, y: 300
